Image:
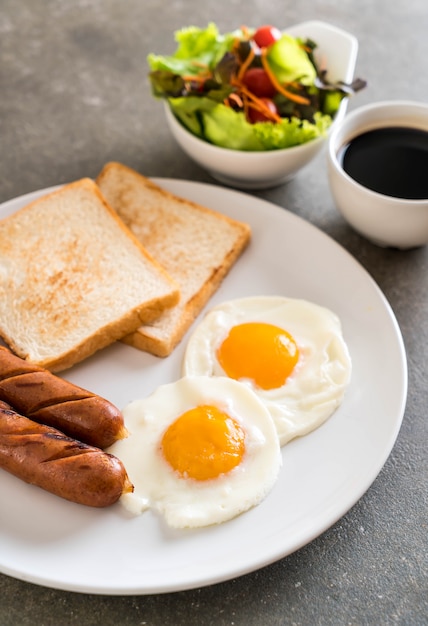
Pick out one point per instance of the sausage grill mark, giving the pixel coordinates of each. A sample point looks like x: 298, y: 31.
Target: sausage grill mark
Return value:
x: 43, y: 456
x: 48, y: 399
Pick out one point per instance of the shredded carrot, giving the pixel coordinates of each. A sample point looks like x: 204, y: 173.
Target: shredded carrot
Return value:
x: 199, y: 64
x: 245, y: 31
x: 246, y: 64
x: 247, y: 100
x: 273, y: 79
x: 293, y: 83
x: 264, y: 110
x: 250, y: 100
x: 237, y: 99
x: 196, y: 78
x: 254, y: 102
x: 246, y: 108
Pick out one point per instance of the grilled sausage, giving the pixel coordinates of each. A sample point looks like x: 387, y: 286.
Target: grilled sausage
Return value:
x: 45, y: 398
x: 43, y: 456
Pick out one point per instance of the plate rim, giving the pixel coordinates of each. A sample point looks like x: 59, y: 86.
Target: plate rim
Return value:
x: 178, y: 186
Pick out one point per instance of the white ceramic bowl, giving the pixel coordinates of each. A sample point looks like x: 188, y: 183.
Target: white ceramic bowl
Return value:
x: 258, y: 170
x: 385, y: 220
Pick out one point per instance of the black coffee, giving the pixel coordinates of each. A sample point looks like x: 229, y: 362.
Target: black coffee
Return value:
x: 392, y: 161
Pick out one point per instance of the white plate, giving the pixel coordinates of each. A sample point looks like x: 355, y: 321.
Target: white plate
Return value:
x: 48, y: 541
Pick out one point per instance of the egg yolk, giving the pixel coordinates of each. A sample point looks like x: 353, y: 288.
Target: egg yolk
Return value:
x: 203, y: 443
x: 263, y: 353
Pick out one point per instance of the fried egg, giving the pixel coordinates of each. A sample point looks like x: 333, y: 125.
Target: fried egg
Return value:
x: 200, y: 451
x: 290, y: 352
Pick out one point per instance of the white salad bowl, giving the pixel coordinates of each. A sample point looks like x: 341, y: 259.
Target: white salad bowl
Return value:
x: 262, y: 169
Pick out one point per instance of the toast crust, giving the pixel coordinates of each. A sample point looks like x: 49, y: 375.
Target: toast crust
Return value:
x: 196, y: 245
x: 73, y: 278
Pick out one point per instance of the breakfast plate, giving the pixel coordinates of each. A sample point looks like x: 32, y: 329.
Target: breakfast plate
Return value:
x: 58, y: 544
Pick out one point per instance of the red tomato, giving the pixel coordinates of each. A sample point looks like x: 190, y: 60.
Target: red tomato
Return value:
x: 265, y: 36
x: 258, y: 82
x: 257, y: 116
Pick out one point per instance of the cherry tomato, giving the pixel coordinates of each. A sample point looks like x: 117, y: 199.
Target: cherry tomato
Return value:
x: 265, y: 36
x: 258, y: 82
x: 257, y: 116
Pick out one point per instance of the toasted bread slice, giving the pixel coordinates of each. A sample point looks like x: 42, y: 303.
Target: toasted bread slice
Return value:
x: 196, y: 246
x: 73, y: 278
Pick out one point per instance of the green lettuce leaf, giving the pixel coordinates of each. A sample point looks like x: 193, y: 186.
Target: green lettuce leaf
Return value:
x: 226, y: 128
x: 196, y: 48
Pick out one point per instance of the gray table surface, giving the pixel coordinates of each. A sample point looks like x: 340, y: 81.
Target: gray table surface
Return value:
x: 73, y: 95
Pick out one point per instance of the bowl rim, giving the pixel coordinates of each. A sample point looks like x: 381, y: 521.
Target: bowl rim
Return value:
x: 332, y: 150
x: 253, y: 154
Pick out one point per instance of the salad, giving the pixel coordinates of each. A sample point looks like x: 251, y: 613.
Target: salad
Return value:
x: 251, y: 89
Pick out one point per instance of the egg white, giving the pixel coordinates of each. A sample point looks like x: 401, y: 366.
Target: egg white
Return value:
x: 318, y: 383
x: 188, y: 502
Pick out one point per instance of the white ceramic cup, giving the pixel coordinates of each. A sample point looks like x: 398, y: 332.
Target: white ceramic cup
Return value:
x: 385, y: 220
